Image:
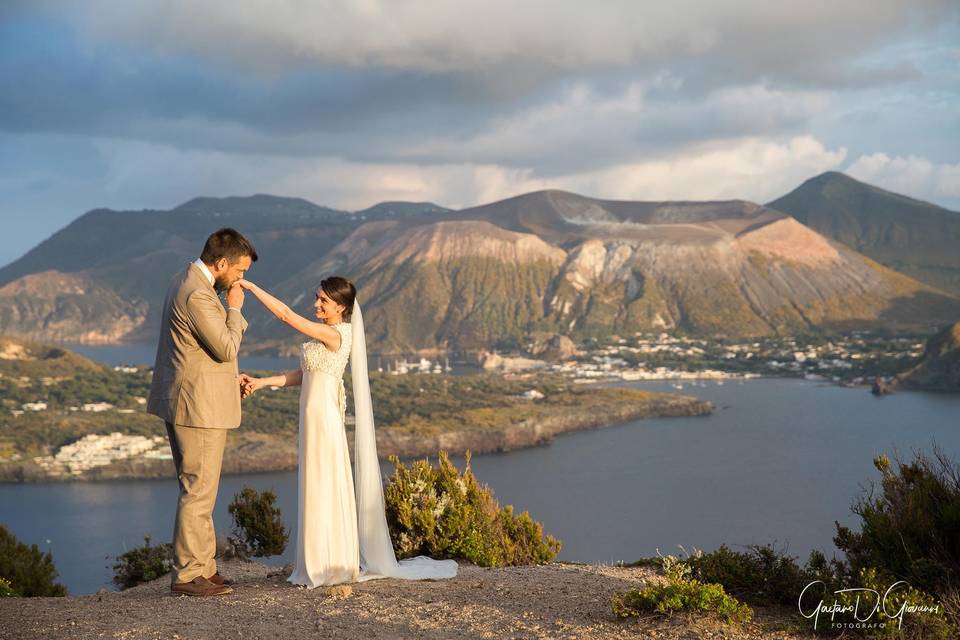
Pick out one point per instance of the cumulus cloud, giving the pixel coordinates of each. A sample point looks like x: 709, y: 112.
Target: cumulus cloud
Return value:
x: 583, y: 129
x: 465, y: 36
x: 910, y: 175
x: 350, y: 102
x: 755, y: 169
x: 527, y: 85
x: 136, y: 175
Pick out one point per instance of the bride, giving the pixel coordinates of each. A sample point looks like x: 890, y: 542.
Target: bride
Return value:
x: 342, y: 531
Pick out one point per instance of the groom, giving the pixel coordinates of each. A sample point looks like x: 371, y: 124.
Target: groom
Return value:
x: 196, y: 390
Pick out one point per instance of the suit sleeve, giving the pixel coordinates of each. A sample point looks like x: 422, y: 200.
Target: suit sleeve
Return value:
x: 221, y: 338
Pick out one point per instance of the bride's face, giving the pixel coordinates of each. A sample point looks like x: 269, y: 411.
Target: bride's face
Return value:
x: 326, y: 309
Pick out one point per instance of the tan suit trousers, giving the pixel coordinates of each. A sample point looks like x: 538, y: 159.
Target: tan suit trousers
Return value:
x: 198, y: 455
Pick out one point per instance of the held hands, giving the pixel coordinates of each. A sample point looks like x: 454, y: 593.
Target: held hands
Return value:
x: 235, y: 296
x: 249, y: 384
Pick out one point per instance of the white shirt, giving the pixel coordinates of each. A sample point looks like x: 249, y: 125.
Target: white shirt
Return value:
x: 206, y: 271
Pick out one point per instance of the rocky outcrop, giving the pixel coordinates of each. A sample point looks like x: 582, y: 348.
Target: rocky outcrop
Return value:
x: 535, y: 432
x: 68, y: 307
x: 939, y: 366
x: 553, y: 347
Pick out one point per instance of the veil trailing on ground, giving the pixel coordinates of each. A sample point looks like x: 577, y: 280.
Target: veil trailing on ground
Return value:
x: 376, y: 550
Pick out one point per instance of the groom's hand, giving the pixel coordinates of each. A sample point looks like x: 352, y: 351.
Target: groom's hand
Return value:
x: 245, y: 389
x: 235, y: 297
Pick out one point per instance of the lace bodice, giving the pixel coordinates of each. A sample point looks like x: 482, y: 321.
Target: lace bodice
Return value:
x: 316, y: 356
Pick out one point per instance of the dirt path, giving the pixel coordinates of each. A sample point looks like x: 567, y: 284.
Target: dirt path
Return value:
x: 552, y: 601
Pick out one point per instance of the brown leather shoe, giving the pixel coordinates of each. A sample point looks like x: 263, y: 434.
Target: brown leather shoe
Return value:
x: 219, y: 579
x: 199, y: 586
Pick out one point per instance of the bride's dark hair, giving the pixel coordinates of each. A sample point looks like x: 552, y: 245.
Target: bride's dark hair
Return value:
x: 341, y: 291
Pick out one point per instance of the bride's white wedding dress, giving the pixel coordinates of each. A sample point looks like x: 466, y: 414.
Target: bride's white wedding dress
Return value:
x: 342, y: 531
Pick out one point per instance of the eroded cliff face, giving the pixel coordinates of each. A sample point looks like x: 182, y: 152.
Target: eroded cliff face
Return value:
x: 774, y: 277
x: 68, y: 307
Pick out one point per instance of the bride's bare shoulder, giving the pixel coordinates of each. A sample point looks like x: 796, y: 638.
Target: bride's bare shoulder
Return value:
x: 334, y: 335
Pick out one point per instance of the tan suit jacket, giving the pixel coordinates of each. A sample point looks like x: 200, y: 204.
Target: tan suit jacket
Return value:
x: 195, y: 377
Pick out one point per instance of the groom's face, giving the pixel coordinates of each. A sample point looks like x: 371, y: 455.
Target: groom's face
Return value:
x: 226, y: 274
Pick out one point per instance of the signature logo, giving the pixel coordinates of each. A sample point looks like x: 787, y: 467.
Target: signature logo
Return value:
x: 859, y: 620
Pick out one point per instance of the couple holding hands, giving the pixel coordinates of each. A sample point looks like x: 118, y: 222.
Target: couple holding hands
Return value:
x: 342, y: 533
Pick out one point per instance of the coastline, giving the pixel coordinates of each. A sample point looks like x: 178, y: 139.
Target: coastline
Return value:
x: 254, y: 452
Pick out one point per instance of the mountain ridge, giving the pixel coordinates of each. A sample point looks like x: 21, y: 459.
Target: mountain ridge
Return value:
x: 916, y: 237
x: 434, y: 278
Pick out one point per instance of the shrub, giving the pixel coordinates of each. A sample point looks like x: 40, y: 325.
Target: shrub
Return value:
x: 912, y: 530
x: 27, y: 570
x: 142, y: 564
x: 257, y: 523
x: 438, y: 511
x: 6, y: 591
x: 763, y: 576
x: 680, y: 593
x: 931, y: 624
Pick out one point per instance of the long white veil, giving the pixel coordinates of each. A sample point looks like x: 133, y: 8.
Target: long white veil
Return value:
x: 377, y: 559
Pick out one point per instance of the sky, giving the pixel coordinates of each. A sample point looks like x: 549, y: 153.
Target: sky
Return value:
x: 147, y: 104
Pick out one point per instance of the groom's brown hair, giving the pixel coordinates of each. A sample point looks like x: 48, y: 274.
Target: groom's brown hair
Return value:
x: 227, y: 243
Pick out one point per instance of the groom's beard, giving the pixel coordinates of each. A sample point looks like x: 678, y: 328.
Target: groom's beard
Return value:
x: 220, y: 284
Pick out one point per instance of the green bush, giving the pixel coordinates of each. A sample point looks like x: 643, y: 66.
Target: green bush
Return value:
x: 257, y: 523
x: 27, y: 570
x: 930, y: 624
x: 6, y: 591
x: 912, y: 529
x: 762, y: 576
x: 142, y: 564
x: 683, y: 595
x: 438, y: 511
x: 680, y: 593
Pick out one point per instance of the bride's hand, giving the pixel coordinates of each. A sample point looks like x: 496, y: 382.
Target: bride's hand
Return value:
x: 249, y: 385
x: 246, y: 284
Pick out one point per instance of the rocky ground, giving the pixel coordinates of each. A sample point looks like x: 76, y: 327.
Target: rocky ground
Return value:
x: 551, y: 601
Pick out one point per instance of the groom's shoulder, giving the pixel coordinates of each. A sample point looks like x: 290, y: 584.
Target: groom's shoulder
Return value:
x: 184, y: 283
x: 190, y: 277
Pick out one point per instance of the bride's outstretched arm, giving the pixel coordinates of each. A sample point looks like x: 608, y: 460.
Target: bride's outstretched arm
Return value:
x: 249, y: 384
x: 316, y: 330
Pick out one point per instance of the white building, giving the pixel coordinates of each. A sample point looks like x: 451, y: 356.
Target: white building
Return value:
x: 97, y: 407
x: 97, y: 451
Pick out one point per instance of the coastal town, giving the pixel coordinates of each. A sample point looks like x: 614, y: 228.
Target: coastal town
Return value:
x: 851, y: 360
x: 101, y: 450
